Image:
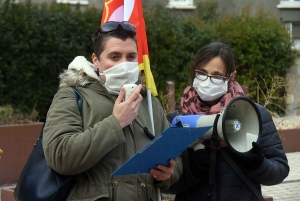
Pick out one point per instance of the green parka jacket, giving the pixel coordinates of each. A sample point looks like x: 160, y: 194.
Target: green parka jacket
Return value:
x: 94, y: 145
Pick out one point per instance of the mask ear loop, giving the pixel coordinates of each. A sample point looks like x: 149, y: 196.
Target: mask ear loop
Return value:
x: 98, y: 74
x: 100, y: 77
x: 229, y: 77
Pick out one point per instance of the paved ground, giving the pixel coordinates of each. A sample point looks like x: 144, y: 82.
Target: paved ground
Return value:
x: 288, y: 190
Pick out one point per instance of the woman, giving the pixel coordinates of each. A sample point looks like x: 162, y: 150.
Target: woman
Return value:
x: 110, y: 130
x: 213, y: 87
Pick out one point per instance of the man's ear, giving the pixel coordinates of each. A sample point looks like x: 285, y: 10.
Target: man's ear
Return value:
x: 95, y: 60
x: 233, y: 75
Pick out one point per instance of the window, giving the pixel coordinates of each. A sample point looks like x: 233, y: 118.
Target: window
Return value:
x: 181, y: 4
x: 81, y: 2
x: 289, y: 27
x: 289, y: 4
x: 297, y: 44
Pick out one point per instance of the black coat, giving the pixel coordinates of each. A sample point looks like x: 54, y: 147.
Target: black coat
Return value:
x: 273, y: 170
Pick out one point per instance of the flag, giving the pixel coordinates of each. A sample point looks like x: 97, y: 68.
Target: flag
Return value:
x: 132, y: 11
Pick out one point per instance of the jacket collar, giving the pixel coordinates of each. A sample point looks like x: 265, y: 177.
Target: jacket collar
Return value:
x: 80, y: 72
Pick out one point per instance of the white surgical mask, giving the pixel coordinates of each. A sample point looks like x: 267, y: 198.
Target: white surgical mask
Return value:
x: 209, y: 91
x: 120, y: 74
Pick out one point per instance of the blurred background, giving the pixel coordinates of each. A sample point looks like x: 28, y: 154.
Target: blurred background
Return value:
x: 39, y: 38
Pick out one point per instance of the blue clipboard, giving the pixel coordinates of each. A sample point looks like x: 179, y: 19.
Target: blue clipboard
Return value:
x: 167, y: 145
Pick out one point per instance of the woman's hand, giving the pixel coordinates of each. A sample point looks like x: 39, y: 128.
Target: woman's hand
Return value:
x: 126, y: 111
x: 163, y: 172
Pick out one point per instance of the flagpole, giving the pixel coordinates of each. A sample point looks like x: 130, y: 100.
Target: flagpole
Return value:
x: 150, y: 109
x: 149, y: 99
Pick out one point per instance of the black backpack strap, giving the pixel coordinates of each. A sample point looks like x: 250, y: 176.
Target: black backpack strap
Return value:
x: 36, y: 173
x: 212, y: 169
x: 79, y: 99
x: 241, y: 174
x: 186, y: 170
x: 213, y: 162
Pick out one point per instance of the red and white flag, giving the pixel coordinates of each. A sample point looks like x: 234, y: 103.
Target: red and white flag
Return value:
x: 131, y: 10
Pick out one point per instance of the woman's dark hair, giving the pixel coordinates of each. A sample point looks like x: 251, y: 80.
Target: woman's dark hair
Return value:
x: 100, y: 38
x: 211, y: 51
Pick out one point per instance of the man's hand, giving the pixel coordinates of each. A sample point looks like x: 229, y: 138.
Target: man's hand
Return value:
x: 126, y: 111
x: 163, y: 172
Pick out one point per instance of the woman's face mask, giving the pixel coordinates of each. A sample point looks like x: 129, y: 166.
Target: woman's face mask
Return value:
x: 120, y: 74
x: 209, y: 91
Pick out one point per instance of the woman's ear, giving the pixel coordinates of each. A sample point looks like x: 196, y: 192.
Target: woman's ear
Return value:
x: 233, y: 75
x: 95, y: 60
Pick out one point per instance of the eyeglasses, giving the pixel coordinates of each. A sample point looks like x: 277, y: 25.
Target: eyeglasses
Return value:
x: 216, y: 79
x: 113, y: 25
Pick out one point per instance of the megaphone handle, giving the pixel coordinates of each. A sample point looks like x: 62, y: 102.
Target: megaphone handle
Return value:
x: 213, y: 159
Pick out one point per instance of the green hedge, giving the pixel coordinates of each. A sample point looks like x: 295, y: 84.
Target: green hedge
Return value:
x: 261, y: 43
x: 38, y: 41
x: 173, y: 41
x: 263, y: 50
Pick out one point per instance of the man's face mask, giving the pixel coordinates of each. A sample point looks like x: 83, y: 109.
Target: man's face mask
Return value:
x: 120, y: 74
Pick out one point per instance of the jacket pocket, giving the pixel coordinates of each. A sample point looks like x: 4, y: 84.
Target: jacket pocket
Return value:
x: 101, y: 197
x: 88, y: 193
x: 146, y: 192
x: 142, y: 192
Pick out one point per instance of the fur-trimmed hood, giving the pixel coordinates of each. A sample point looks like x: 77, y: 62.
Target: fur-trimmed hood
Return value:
x: 79, y: 73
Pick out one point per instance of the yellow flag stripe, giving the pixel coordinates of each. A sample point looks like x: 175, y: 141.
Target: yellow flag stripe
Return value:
x: 145, y: 66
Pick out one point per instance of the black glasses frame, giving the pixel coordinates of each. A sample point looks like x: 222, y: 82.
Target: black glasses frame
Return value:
x: 113, y: 25
x: 211, y: 77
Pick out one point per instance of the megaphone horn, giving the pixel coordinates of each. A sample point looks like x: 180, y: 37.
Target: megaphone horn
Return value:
x: 239, y: 124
